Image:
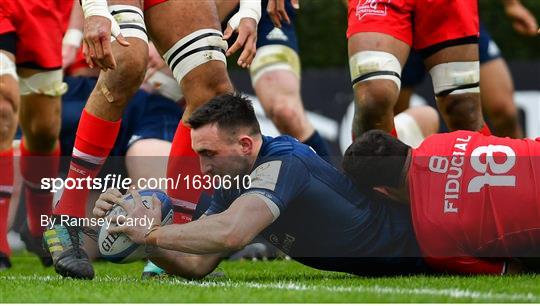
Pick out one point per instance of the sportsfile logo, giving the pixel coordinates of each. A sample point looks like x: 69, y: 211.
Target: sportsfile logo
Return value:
x: 196, y: 182
x: 372, y: 7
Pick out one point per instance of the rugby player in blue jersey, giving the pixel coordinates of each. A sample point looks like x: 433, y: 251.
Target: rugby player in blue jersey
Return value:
x: 296, y: 200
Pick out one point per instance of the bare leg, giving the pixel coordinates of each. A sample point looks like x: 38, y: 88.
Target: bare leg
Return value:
x: 404, y: 100
x: 9, y: 105
x: 40, y: 123
x: 99, y: 122
x: 459, y: 111
x: 96, y: 135
x: 147, y: 158
x: 39, y: 119
x: 279, y: 93
x: 497, y: 92
x: 426, y: 117
x: 205, y: 81
x: 9, y: 108
x: 199, y: 85
x: 415, y: 124
x: 375, y: 99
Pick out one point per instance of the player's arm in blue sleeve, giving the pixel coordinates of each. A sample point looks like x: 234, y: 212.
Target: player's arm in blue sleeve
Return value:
x: 278, y: 182
x: 209, y: 236
x: 194, y: 249
x: 217, y: 205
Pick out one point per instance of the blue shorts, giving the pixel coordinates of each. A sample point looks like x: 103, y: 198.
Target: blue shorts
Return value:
x: 415, y: 71
x: 487, y: 47
x: 268, y: 34
x: 146, y: 116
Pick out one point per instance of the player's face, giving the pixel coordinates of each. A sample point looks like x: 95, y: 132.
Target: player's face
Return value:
x: 220, y: 154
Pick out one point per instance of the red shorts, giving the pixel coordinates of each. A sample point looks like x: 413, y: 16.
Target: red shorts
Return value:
x: 39, y: 26
x: 149, y: 3
x: 419, y: 23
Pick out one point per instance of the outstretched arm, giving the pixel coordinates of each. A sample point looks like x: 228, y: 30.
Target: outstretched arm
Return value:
x: 193, y: 249
x: 228, y: 231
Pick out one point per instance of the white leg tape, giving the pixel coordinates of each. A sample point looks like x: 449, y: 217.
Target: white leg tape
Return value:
x: 456, y: 78
x: 374, y: 65
x: 7, y: 66
x: 194, y: 50
x: 131, y: 21
x: 47, y: 83
x: 408, y: 130
x: 165, y: 85
x: 272, y: 58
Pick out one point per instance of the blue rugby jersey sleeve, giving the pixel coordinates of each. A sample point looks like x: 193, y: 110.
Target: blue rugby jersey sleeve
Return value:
x: 278, y: 181
x: 218, y: 204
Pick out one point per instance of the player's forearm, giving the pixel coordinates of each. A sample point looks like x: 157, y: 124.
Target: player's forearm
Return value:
x: 185, y: 265
x: 76, y: 20
x: 74, y: 33
x: 208, y: 236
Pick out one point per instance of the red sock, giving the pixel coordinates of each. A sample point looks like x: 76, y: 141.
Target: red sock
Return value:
x: 185, y: 162
x: 394, y: 132
x: 94, y: 141
x: 34, y: 167
x: 485, y: 130
x: 6, y: 188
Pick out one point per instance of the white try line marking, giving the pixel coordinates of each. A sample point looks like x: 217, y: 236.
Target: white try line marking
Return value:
x: 379, y: 290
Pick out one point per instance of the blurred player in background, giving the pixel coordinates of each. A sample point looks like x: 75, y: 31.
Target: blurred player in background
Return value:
x: 148, y: 124
x: 275, y: 76
x: 187, y: 34
x: 482, y: 208
x: 496, y: 86
x: 31, y: 84
x: 276, y: 71
x: 381, y: 34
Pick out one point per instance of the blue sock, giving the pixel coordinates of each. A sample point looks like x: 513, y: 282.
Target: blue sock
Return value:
x: 319, y: 145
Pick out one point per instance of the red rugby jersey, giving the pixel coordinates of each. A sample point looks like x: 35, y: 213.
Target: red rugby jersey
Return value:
x: 475, y: 200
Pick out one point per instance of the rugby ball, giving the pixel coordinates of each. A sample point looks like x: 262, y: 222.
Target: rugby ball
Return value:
x: 118, y: 248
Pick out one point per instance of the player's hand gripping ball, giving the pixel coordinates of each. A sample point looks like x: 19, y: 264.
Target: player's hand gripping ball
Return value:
x: 118, y: 247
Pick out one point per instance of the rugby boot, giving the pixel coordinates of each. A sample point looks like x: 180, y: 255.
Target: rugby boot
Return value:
x: 69, y: 258
x: 152, y: 271
x: 5, y: 263
x: 35, y: 245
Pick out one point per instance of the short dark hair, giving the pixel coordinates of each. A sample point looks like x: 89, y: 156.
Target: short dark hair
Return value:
x: 376, y: 159
x: 228, y: 111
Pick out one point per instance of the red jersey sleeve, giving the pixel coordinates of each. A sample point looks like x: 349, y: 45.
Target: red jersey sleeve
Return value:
x: 468, y: 265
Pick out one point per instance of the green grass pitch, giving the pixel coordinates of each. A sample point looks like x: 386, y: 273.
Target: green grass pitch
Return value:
x: 277, y: 281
